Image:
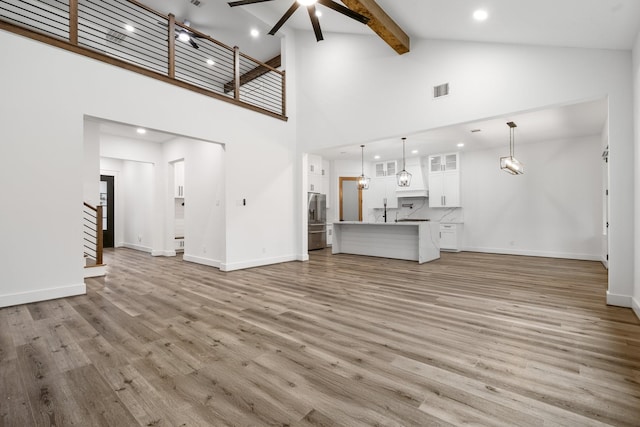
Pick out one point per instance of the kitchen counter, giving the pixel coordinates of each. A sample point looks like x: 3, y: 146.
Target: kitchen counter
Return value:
x: 410, y: 240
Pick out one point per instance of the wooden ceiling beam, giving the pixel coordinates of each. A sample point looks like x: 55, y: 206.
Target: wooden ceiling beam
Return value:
x: 381, y: 24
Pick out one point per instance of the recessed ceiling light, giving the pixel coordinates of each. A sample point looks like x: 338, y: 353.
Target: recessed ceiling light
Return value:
x: 211, y: 62
x: 129, y: 28
x: 318, y: 13
x: 254, y: 32
x: 376, y: 157
x: 461, y: 144
x: 414, y: 151
x: 141, y: 131
x: 480, y: 15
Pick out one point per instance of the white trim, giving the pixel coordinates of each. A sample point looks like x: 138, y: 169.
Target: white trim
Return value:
x: 137, y: 247
x: 204, y: 261
x: 95, y: 271
x: 163, y: 253
x: 635, y: 305
x: 584, y: 257
x: 302, y: 257
x: 257, y: 263
x: 619, y: 300
x: 42, y: 295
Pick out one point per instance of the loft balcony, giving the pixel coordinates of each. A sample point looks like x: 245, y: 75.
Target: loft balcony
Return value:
x: 130, y: 35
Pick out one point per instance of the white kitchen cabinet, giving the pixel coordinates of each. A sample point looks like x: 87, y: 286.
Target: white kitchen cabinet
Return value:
x: 315, y: 183
x: 315, y: 164
x: 387, y: 168
x: 178, y: 180
x: 444, y: 180
x: 451, y: 236
x: 379, y: 189
x: 444, y: 162
x: 326, y: 181
x: 315, y: 175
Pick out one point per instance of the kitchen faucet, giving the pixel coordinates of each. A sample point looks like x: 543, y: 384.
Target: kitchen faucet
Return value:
x: 385, y: 210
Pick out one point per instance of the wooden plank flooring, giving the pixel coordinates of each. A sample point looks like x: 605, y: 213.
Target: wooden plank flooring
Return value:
x: 342, y: 340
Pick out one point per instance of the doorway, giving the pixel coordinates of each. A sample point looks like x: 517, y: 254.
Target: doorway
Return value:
x: 108, y: 218
x: 350, y: 199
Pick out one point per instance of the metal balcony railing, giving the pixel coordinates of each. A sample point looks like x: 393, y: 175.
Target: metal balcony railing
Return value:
x: 125, y: 32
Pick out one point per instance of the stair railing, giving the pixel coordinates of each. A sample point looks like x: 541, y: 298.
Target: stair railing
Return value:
x: 92, y: 232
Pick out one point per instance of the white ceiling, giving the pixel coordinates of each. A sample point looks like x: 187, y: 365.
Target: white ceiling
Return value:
x: 608, y: 24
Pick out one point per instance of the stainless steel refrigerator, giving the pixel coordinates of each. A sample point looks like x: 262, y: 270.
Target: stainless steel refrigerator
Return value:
x: 317, y: 227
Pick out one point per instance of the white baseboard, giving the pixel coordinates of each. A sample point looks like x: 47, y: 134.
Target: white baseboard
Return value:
x: 96, y: 271
x: 42, y: 295
x: 635, y: 305
x: 169, y: 252
x: 257, y: 263
x: 204, y: 261
x: 585, y: 257
x: 137, y: 247
x: 303, y: 257
x: 619, y: 300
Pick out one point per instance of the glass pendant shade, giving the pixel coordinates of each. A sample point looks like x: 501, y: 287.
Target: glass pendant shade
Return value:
x: 509, y: 163
x: 363, y: 181
x: 403, y: 177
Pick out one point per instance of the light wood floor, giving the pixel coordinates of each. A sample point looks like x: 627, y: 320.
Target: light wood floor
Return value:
x: 470, y: 339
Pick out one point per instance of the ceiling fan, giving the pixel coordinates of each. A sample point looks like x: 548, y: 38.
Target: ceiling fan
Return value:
x: 311, y: 8
x: 187, y: 36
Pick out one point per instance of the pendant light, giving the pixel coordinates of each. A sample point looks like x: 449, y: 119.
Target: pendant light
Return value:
x: 403, y: 177
x: 509, y: 163
x: 363, y: 181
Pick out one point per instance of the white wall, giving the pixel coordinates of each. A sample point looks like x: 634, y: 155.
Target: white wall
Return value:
x: 636, y: 115
x: 139, y: 204
x: 552, y: 210
x: 42, y: 145
x: 357, y: 90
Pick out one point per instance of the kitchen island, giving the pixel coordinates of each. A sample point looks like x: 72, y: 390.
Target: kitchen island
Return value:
x: 414, y: 241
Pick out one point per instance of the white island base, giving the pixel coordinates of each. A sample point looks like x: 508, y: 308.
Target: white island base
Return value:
x: 414, y: 241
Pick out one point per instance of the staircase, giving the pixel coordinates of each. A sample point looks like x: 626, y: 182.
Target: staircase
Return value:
x: 92, y: 238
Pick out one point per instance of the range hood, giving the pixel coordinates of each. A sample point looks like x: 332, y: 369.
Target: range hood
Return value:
x: 418, y: 186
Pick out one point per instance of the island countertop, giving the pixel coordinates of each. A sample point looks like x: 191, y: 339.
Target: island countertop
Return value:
x: 410, y: 240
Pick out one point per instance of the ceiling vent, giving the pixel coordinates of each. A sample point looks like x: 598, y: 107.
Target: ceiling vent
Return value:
x: 196, y: 3
x: 441, y: 90
x: 114, y: 36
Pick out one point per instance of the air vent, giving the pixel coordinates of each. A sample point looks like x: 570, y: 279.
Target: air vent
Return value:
x: 196, y: 3
x: 114, y: 36
x: 441, y: 90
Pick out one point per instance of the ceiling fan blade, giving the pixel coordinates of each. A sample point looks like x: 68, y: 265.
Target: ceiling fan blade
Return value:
x: 243, y: 2
x: 344, y: 10
x: 315, y: 22
x: 284, y: 18
x: 194, y: 44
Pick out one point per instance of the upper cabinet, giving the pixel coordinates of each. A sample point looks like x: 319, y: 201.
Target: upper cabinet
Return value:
x: 386, y: 168
x: 326, y: 181
x: 315, y: 174
x: 315, y: 164
x: 444, y: 180
x: 444, y: 162
x: 178, y: 179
